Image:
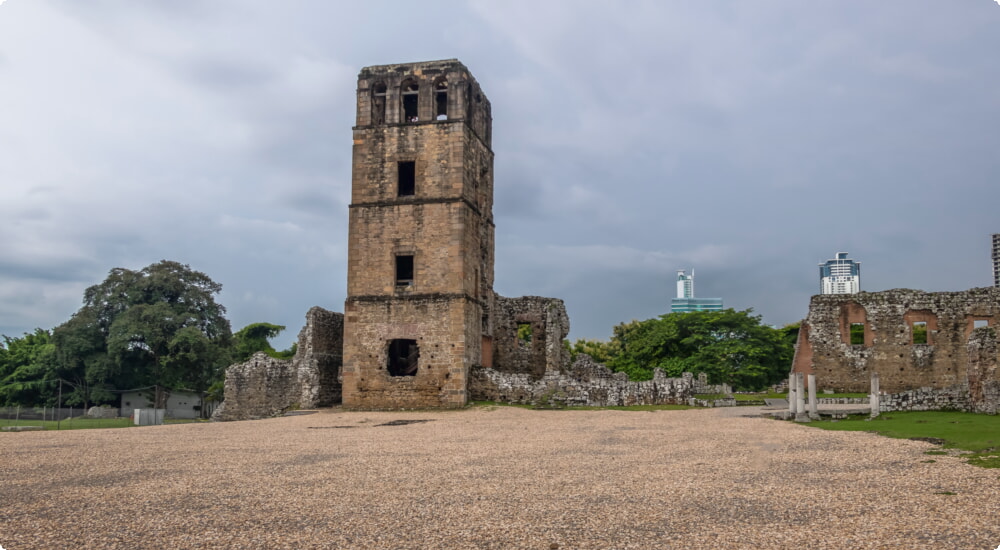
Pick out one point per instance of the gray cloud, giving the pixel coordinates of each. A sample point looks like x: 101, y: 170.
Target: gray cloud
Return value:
x: 748, y: 141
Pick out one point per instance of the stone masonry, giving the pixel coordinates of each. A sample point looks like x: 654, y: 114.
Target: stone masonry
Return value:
x: 930, y: 349
x: 420, y: 240
x: 264, y: 386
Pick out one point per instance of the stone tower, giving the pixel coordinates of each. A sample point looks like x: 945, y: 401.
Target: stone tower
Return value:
x: 420, y: 241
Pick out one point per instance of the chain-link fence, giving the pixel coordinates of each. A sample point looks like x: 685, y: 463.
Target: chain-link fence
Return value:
x: 65, y: 418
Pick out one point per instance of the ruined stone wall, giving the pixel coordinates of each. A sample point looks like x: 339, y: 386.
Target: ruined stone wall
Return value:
x: 549, y: 326
x: 264, y: 386
x: 586, y: 383
x: 261, y: 387
x: 319, y: 357
x: 956, y: 358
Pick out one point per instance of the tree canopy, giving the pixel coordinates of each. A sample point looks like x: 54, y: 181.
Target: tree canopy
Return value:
x: 729, y: 346
x: 159, y: 326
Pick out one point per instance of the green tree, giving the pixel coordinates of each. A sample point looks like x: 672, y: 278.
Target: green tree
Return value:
x: 255, y: 337
x: 729, y: 346
x: 26, y: 369
x: 158, y: 326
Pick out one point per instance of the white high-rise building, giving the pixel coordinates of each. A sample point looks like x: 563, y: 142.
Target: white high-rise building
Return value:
x: 685, y: 284
x: 840, y: 275
x: 685, y: 301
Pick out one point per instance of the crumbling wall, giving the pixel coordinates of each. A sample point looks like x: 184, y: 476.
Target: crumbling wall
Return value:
x: 586, y: 383
x: 261, y: 387
x: 318, y: 358
x: 264, y: 386
x: 543, y: 352
x: 947, y: 363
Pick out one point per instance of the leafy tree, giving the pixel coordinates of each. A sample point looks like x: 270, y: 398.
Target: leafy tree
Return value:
x: 157, y: 326
x: 26, y: 374
x: 730, y: 346
x: 254, y: 337
x: 599, y: 350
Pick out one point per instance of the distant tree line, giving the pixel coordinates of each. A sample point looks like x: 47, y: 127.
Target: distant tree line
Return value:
x: 157, y: 327
x: 729, y: 346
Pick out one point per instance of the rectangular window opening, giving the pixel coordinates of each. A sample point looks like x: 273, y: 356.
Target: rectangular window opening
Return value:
x: 919, y: 332
x: 524, y: 335
x: 441, y: 103
x: 410, y: 106
x: 404, y: 271
x: 857, y: 334
x: 407, y: 178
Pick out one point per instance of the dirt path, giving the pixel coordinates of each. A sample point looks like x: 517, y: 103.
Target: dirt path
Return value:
x: 500, y: 478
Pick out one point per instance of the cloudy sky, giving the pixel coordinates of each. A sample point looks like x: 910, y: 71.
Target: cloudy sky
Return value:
x: 747, y: 140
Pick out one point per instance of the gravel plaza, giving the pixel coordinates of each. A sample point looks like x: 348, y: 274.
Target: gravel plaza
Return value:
x: 490, y: 477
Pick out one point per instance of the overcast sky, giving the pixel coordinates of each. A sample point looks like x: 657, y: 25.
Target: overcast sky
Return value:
x: 747, y: 140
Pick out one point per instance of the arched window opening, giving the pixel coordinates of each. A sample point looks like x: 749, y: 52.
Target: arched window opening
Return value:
x: 403, y: 357
x: 441, y: 100
x: 410, y: 92
x: 378, y: 103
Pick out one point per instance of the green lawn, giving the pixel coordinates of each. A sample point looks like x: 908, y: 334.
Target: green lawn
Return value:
x: 84, y: 423
x: 583, y: 408
x: 977, y: 433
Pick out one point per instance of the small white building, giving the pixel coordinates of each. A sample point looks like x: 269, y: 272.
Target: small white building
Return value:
x: 180, y: 403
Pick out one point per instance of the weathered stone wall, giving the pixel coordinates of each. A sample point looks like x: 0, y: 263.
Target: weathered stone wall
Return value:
x: 588, y: 383
x: 955, y: 368
x: 261, y: 387
x: 318, y: 358
x: 264, y: 386
x: 446, y: 344
x: 549, y: 326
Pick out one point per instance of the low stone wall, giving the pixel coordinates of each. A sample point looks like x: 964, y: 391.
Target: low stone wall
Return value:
x: 927, y: 399
x: 586, y: 383
x: 841, y: 400
x: 261, y: 387
x: 102, y: 412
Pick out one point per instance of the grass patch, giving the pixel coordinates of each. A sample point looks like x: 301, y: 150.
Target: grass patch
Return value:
x: 88, y: 423
x: 977, y: 433
x: 494, y: 404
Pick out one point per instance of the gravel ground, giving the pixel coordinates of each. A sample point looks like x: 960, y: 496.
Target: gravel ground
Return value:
x: 490, y: 478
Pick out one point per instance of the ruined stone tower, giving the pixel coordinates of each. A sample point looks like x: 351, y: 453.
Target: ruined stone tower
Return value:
x: 420, y: 256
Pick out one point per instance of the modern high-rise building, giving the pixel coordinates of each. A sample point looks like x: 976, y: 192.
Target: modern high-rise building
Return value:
x: 840, y: 275
x: 685, y: 301
x: 996, y: 260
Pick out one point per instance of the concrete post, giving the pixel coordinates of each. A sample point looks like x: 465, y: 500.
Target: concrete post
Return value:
x: 813, y: 406
x: 791, y: 394
x: 873, y: 395
x: 800, y: 398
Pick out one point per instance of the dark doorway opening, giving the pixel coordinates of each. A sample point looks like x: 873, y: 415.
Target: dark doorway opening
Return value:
x: 403, y: 356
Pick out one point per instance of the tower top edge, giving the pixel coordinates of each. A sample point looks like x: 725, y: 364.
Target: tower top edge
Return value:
x: 440, y: 64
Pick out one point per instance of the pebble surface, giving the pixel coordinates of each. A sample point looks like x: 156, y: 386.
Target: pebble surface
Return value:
x: 490, y: 478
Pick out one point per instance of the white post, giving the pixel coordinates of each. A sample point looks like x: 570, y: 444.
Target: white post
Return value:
x: 873, y: 395
x: 800, y: 398
x: 791, y: 394
x: 813, y: 406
